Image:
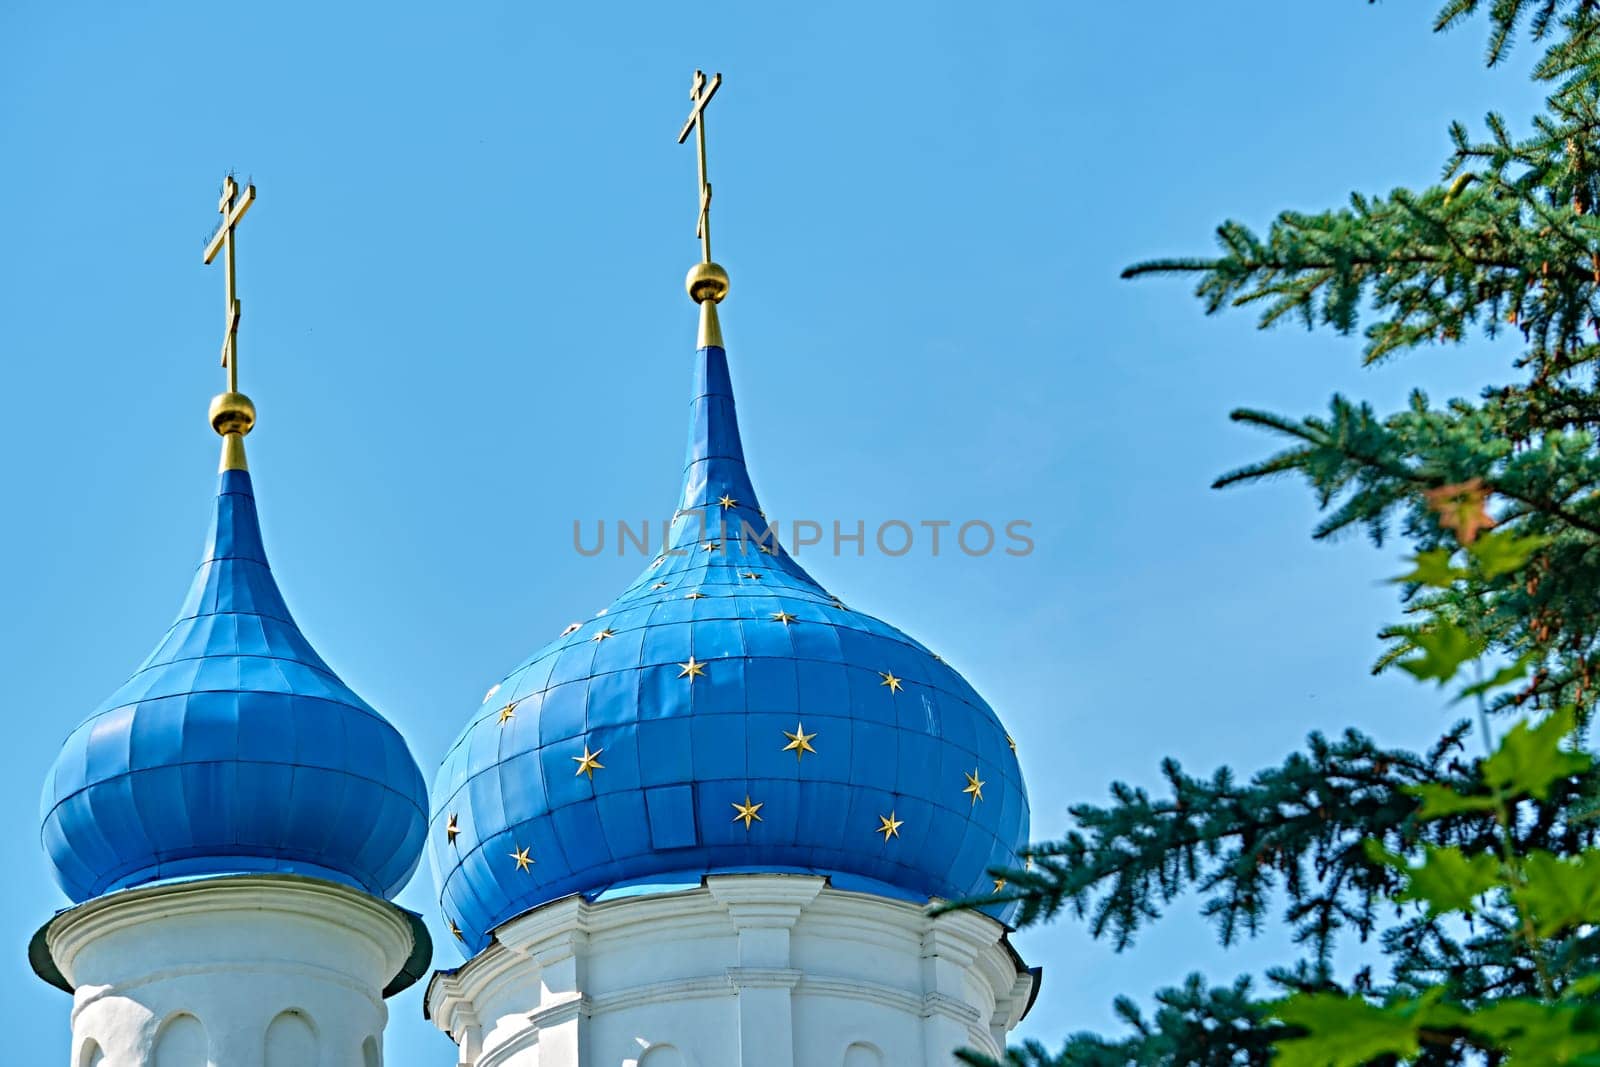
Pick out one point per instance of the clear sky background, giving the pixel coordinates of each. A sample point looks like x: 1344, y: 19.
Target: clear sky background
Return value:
x: 464, y: 328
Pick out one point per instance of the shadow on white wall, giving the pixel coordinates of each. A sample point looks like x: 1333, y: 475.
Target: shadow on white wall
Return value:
x: 662, y: 1056
x: 291, y: 1041
x: 862, y: 1054
x: 181, y: 1043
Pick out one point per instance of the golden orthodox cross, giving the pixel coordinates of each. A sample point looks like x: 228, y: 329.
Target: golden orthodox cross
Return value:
x: 232, y: 206
x: 701, y: 93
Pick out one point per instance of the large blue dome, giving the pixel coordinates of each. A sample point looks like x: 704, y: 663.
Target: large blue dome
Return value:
x: 725, y: 713
x: 233, y: 749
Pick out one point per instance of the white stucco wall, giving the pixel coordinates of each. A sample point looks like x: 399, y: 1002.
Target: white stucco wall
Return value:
x: 249, y: 971
x: 746, y: 971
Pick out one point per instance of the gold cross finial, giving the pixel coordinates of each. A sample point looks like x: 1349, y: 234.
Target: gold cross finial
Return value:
x: 232, y: 414
x: 707, y: 282
x: 232, y: 206
x: 701, y: 93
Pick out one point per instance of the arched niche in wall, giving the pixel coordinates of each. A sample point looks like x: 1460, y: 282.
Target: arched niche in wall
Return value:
x: 181, y: 1042
x: 371, y: 1053
x: 662, y: 1056
x: 291, y: 1041
x: 89, y: 1055
x: 861, y: 1054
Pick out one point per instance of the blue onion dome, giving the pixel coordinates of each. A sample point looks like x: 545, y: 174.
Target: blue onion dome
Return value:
x: 234, y: 749
x: 726, y: 713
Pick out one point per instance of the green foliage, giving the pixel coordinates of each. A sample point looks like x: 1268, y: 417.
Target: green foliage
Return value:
x: 1479, y: 878
x: 1447, y: 880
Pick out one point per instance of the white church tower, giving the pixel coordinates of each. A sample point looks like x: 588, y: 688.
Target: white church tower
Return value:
x: 703, y: 829
x: 232, y: 825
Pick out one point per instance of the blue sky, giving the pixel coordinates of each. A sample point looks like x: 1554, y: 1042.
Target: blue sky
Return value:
x: 464, y: 328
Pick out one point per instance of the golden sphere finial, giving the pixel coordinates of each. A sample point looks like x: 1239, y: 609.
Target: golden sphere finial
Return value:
x: 232, y: 413
x: 707, y: 281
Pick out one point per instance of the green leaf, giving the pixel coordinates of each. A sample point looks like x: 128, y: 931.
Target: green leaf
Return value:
x: 1579, y: 988
x: 1448, y: 880
x: 1532, y: 1032
x: 1444, y: 649
x: 1343, y: 1031
x: 1504, y: 676
x: 1530, y: 758
x: 1560, y: 892
x: 1439, y: 801
x: 1433, y: 568
x: 1503, y: 552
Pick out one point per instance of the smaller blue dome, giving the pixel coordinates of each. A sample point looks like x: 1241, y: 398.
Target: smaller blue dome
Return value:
x: 234, y: 749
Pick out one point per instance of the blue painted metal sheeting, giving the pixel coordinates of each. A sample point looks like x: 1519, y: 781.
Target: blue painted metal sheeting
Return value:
x: 681, y: 746
x: 234, y: 749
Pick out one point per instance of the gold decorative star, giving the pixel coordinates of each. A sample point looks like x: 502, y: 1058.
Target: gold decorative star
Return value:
x: 572, y: 628
x: 711, y: 546
x: 508, y: 713
x: 603, y: 634
x: 889, y: 826
x: 974, y: 786
x: 799, y: 741
x: 783, y: 617
x: 747, y: 811
x: 839, y: 604
x: 766, y: 548
x: 1010, y: 742
x: 999, y: 884
x: 727, y: 502
x: 589, y: 762
x: 659, y: 585
x: 451, y: 830
x: 890, y: 680
x: 524, y: 861
x: 696, y: 595
x: 752, y: 575
x: 691, y: 670
x: 456, y: 930
x: 658, y: 561
x: 493, y: 689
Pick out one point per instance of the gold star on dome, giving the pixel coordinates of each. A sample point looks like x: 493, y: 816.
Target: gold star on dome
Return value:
x: 603, y: 634
x: 799, y: 741
x: 999, y: 884
x: 589, y: 762
x: 889, y: 826
x: 659, y: 585
x: 728, y: 502
x: 890, y: 680
x: 572, y: 628
x: 766, y: 548
x: 839, y: 604
x: 508, y: 713
x: 711, y: 546
x: 524, y: 861
x: 456, y: 931
x: 451, y: 829
x: 493, y: 689
x: 658, y: 561
x: 696, y: 595
x: 691, y: 670
x: 752, y: 575
x: 747, y: 811
x: 783, y: 617
x: 974, y: 786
